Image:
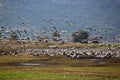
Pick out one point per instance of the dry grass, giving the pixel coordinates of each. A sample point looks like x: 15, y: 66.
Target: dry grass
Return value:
x: 46, y: 44
x: 31, y: 44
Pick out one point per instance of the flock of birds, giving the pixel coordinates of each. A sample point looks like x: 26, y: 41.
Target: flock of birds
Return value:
x: 24, y: 29
x: 74, y: 53
x: 77, y: 53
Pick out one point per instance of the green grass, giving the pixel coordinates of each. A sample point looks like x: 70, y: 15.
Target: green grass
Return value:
x: 57, y: 68
x: 52, y: 76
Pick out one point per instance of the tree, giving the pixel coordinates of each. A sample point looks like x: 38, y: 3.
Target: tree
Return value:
x: 80, y: 36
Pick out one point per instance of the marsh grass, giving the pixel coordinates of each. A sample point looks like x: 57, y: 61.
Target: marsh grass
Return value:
x: 56, y: 68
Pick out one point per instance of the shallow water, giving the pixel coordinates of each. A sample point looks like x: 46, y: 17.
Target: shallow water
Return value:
x: 32, y: 64
x: 26, y: 64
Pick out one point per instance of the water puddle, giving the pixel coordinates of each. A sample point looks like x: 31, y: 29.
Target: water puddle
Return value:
x: 32, y: 64
x: 27, y: 64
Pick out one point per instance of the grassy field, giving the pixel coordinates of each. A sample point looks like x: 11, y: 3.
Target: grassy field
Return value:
x: 57, y: 68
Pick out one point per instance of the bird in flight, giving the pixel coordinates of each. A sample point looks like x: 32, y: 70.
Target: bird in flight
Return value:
x: 21, y: 18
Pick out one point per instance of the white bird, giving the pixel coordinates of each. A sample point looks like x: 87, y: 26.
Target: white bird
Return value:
x: 63, y: 31
x: 21, y: 18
